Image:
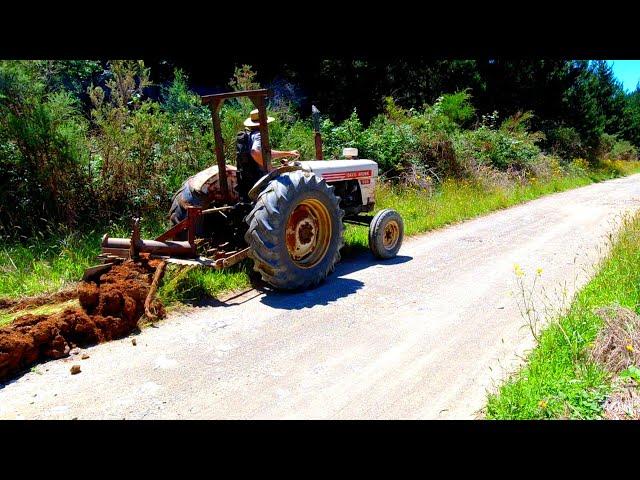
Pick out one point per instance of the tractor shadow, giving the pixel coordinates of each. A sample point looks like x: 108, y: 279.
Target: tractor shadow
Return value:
x: 333, y: 288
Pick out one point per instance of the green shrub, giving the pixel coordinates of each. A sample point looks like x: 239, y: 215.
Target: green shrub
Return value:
x: 42, y: 152
x: 623, y: 150
x: 388, y: 143
x: 336, y: 137
x: 452, y: 110
x: 566, y: 143
x: 511, y: 145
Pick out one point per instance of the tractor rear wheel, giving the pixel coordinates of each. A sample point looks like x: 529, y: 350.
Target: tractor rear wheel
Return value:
x: 295, y: 231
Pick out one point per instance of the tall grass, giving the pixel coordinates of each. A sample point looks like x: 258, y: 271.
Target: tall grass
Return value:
x: 558, y: 380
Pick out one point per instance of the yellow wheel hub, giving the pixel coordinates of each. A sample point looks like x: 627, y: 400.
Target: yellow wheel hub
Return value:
x: 391, y: 235
x: 308, y: 233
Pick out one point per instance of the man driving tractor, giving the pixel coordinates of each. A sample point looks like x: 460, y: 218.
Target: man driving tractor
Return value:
x: 204, y: 187
x: 252, y: 123
x: 250, y: 163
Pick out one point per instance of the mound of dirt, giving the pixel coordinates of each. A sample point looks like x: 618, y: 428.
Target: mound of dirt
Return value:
x: 111, y: 308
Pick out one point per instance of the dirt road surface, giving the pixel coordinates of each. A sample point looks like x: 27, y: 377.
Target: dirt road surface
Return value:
x: 422, y: 336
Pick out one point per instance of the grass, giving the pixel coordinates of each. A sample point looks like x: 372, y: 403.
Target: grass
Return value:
x: 51, y: 262
x: 558, y: 380
x: 6, y: 318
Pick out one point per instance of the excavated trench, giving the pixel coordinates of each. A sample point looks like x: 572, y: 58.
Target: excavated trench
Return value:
x: 110, y: 308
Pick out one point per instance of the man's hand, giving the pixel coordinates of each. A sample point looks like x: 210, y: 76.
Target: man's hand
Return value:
x: 275, y: 154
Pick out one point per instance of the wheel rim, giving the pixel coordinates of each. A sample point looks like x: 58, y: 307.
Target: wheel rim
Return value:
x: 391, y: 235
x: 308, y: 233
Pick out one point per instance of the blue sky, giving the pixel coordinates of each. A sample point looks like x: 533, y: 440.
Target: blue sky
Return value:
x: 627, y: 71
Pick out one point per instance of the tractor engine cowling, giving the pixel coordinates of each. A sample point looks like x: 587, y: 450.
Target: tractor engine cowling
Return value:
x: 355, y: 174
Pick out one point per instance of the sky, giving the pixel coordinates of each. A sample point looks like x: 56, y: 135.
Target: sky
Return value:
x: 627, y: 71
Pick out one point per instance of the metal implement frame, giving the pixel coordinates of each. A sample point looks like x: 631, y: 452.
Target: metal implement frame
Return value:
x: 165, y: 247
x: 215, y: 102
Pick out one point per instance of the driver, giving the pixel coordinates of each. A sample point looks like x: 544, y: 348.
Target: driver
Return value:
x: 253, y: 126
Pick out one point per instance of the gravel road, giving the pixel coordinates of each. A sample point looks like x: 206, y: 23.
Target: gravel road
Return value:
x: 422, y: 336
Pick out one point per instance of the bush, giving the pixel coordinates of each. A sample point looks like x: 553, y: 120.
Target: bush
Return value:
x: 43, y: 155
x: 566, y: 143
x: 336, y: 137
x: 497, y: 148
x: 610, y: 147
x: 456, y: 108
x: 623, y: 150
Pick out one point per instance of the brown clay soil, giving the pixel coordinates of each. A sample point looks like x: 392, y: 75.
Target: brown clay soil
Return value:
x: 110, y: 309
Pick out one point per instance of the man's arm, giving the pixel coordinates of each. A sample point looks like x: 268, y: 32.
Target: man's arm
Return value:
x: 256, y: 154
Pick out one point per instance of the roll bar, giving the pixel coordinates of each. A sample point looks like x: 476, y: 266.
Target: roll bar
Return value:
x: 215, y: 102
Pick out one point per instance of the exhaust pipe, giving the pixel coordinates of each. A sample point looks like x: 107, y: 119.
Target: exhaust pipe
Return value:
x: 315, y: 116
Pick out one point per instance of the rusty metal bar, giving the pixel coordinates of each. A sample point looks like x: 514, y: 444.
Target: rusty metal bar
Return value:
x: 318, y: 142
x: 233, y: 259
x: 258, y: 101
x: 160, y: 269
x: 193, y: 213
x: 173, y: 231
x: 226, y: 262
x: 121, y: 246
x: 135, y: 239
x: 214, y: 106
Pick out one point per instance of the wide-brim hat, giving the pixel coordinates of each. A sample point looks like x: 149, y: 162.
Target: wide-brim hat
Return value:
x: 254, y: 119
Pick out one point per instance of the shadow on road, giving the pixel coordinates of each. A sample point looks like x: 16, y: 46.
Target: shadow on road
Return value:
x: 332, y: 289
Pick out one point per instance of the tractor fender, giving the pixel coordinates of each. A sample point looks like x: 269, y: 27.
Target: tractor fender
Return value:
x: 264, y: 181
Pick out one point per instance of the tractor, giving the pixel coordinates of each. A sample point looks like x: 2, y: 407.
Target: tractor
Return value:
x: 290, y: 222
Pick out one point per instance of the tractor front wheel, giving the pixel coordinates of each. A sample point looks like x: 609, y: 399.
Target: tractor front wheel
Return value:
x: 295, y: 231
x: 386, y: 232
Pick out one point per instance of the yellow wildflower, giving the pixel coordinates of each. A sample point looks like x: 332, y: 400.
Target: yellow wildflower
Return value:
x: 542, y: 404
x: 629, y: 348
x: 539, y: 271
x: 518, y: 270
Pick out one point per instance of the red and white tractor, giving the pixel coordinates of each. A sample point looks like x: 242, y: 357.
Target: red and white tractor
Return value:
x: 290, y: 222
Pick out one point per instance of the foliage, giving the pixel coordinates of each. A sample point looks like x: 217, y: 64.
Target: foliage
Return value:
x: 612, y: 148
x: 42, y: 133
x: 509, y: 146
x: 566, y: 142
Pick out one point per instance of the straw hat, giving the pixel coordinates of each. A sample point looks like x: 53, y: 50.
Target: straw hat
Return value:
x: 254, y: 119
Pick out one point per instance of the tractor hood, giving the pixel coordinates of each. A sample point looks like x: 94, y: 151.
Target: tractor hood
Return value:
x: 335, y: 170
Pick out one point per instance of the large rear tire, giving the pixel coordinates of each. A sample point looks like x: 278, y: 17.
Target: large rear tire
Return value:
x: 181, y: 200
x: 295, y: 231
